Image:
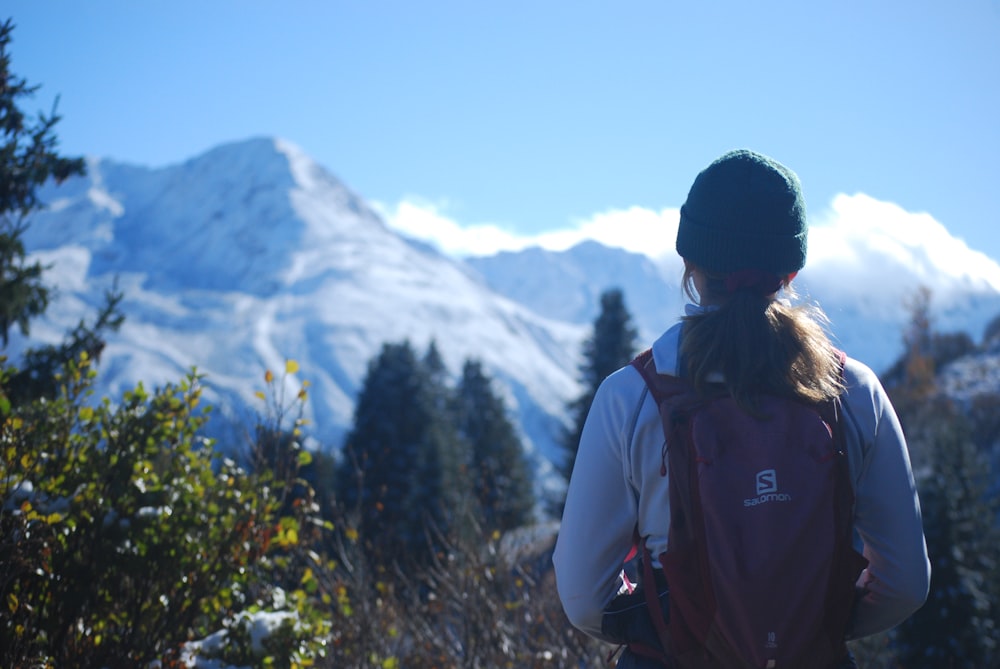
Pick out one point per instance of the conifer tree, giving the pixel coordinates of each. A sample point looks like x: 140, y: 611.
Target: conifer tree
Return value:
x: 434, y: 363
x: 500, y: 475
x: 402, y: 459
x: 437, y: 382
x: 451, y: 460
x: 610, y: 346
x: 28, y: 159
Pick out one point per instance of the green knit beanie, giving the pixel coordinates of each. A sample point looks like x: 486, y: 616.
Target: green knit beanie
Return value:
x: 745, y: 211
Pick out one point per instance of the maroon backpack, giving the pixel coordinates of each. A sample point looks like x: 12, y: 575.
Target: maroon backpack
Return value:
x: 759, y: 562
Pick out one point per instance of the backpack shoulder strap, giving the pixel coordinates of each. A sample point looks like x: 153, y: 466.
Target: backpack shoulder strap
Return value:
x: 668, y: 391
x: 661, y: 386
x: 832, y: 412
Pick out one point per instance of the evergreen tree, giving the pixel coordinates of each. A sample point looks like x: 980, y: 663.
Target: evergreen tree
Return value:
x: 610, y: 346
x: 448, y: 473
x: 28, y: 159
x: 434, y: 364
x: 500, y: 475
x: 402, y: 460
x: 437, y: 382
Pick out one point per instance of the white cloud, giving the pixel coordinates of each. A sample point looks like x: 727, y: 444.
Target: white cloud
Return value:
x: 424, y: 221
x: 634, y: 229
x: 870, y: 244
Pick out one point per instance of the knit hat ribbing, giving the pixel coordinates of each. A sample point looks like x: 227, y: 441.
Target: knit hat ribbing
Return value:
x: 744, y: 211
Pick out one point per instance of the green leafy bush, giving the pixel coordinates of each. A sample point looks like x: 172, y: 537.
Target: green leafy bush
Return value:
x: 125, y: 535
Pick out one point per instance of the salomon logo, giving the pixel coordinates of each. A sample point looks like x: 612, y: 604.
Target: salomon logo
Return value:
x: 767, y: 489
x: 767, y: 481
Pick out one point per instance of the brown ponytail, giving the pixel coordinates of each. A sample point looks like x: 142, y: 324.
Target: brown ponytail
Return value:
x: 758, y: 344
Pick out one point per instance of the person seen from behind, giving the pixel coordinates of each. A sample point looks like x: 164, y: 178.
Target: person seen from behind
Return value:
x: 742, y: 237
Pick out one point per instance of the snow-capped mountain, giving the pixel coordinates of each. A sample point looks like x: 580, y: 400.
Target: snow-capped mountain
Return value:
x: 251, y: 253
x: 567, y: 285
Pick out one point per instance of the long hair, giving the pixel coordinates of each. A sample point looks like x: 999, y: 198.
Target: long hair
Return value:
x: 759, y: 345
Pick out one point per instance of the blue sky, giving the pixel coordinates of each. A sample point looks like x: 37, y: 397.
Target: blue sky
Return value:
x: 534, y: 116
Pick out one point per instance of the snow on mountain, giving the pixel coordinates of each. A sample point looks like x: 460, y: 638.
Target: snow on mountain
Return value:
x: 567, y: 285
x: 251, y: 254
